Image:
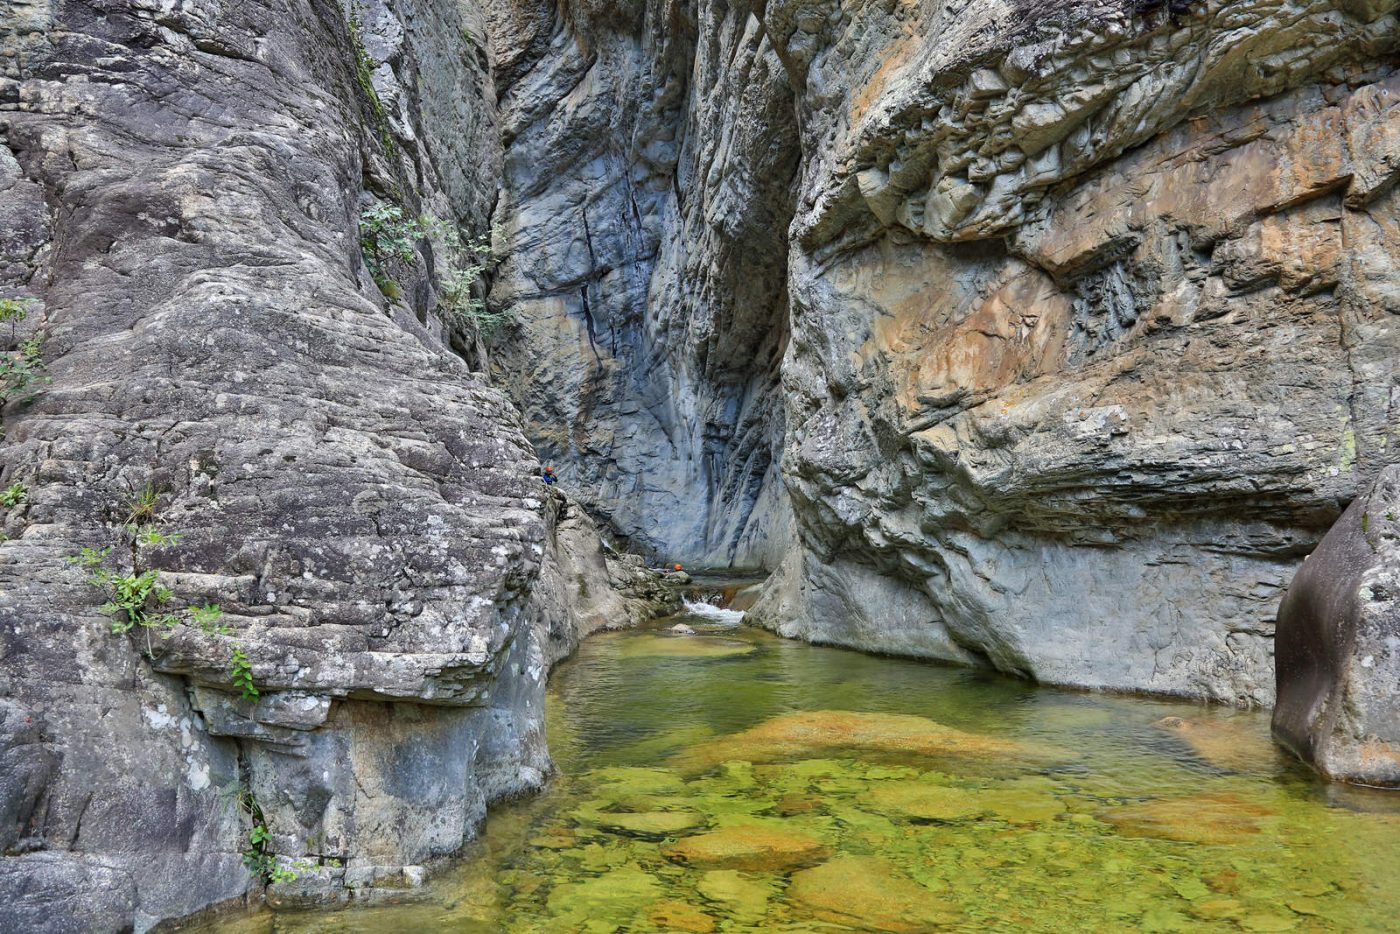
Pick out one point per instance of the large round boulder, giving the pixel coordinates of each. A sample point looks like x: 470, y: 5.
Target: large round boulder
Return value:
x: 1337, y: 649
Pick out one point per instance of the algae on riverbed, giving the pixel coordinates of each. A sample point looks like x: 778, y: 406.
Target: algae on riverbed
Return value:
x: 793, y: 788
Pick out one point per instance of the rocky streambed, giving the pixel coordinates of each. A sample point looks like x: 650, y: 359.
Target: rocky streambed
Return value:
x: 733, y: 781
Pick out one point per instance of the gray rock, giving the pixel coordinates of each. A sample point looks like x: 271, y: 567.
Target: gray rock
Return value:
x: 1338, y: 645
x: 1039, y: 263
x: 179, y: 189
x: 38, y: 891
x: 646, y: 268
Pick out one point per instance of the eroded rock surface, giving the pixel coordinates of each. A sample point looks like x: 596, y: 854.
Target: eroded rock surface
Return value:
x: 650, y: 150
x: 1091, y: 330
x: 179, y: 192
x: 1339, y: 646
x: 1084, y: 309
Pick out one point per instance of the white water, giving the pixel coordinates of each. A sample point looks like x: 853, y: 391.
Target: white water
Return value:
x: 713, y: 613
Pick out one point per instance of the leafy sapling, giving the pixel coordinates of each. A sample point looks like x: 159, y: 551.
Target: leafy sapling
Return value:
x: 139, y: 599
x: 388, y: 238
x: 13, y: 495
x: 242, y: 672
x: 13, y: 311
x: 207, y: 619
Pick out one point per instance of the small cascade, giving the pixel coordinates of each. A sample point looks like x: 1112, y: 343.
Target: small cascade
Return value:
x: 715, y: 614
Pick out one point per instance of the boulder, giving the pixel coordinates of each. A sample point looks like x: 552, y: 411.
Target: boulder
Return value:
x: 1337, y: 650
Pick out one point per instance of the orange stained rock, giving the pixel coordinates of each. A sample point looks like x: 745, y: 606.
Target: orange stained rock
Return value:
x: 753, y: 847
x: 868, y: 891
x: 1238, y: 745
x: 1211, y: 818
x: 813, y: 733
x: 1016, y: 333
x: 672, y: 915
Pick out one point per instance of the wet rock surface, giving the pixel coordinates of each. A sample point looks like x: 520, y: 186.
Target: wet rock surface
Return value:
x: 1339, y: 646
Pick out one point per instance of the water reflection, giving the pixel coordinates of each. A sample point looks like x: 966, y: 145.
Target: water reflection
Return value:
x: 775, y: 786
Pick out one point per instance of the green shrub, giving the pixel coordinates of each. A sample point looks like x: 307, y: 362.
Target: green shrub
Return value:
x: 22, y: 371
x: 467, y: 264
x: 257, y: 855
x: 13, y: 495
x: 136, y: 597
x: 388, y: 239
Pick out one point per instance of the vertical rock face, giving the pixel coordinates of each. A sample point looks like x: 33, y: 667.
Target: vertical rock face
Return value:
x: 1091, y: 331
x: 1339, y: 645
x: 1030, y: 333
x: 1085, y: 308
x: 179, y: 192
x: 651, y: 151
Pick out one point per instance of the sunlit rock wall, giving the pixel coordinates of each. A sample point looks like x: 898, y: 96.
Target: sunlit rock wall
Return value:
x: 1092, y: 327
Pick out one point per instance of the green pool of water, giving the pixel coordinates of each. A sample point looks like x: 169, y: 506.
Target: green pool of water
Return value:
x: 732, y: 781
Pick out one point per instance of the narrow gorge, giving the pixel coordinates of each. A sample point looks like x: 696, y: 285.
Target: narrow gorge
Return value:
x: 366, y: 357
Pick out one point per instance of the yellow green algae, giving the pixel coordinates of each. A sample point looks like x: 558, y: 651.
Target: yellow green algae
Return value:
x: 788, y: 787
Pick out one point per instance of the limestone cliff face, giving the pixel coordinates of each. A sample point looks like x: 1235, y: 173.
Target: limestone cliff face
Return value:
x: 1085, y: 308
x: 1033, y: 333
x: 179, y: 193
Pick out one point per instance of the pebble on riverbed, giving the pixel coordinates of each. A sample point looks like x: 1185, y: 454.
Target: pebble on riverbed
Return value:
x: 682, y: 629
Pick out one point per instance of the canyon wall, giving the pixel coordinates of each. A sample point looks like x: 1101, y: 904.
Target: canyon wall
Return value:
x: 1084, y: 309
x: 179, y: 193
x: 651, y: 150
x: 1092, y: 329
x: 1036, y: 334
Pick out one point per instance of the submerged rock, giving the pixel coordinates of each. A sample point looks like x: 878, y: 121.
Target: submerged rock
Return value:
x: 1215, y: 817
x: 1338, y: 646
x: 1234, y: 744
x: 612, y: 898
x: 647, y: 645
x: 923, y: 801
x: 651, y: 825
x: 869, y: 892
x: 745, y: 898
x: 681, y: 629
x: 812, y: 733
x: 673, y: 915
x: 754, y: 847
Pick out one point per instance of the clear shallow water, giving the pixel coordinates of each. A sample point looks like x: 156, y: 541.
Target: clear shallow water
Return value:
x: 732, y: 781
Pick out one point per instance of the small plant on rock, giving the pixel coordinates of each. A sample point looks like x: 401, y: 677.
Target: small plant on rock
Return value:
x: 22, y: 371
x: 13, y: 495
x: 136, y: 597
x: 14, y: 310
x: 388, y: 238
x: 467, y: 263
x: 242, y: 671
x: 21, y: 363
x: 258, y: 855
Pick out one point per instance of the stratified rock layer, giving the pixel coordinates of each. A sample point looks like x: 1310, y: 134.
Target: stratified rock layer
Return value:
x: 1091, y: 316
x: 1338, y: 644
